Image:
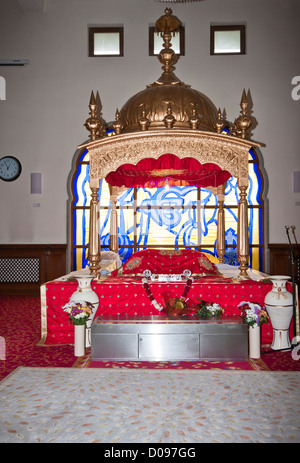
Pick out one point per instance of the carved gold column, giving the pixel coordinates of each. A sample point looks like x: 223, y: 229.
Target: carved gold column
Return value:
x: 94, y: 233
x: 242, y: 232
x: 221, y: 223
x: 113, y: 239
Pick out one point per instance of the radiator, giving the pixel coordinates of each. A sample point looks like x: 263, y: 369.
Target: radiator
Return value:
x: 19, y: 270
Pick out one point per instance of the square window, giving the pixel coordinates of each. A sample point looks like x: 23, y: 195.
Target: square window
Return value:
x: 227, y: 40
x: 106, y: 41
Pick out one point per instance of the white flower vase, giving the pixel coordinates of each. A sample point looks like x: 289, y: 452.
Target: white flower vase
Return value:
x: 279, y: 305
x: 85, y: 292
x: 254, y: 342
x: 79, y: 340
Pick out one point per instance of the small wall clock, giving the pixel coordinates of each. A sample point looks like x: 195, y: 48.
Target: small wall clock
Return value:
x: 10, y: 168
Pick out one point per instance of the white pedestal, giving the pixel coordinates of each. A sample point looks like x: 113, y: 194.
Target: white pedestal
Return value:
x: 79, y: 340
x: 254, y: 342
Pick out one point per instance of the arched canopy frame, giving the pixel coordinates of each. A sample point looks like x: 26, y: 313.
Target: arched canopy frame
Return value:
x: 228, y: 152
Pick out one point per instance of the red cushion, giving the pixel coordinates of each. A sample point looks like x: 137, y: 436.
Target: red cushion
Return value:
x: 169, y: 262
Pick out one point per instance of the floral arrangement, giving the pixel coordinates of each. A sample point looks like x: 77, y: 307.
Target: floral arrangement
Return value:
x: 78, y: 311
x: 253, y: 313
x: 206, y: 309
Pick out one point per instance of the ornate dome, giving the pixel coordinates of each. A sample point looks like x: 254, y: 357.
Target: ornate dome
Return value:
x: 168, y: 102
x: 152, y: 105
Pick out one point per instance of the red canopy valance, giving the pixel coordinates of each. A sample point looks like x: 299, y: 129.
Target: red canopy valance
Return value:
x: 150, y: 173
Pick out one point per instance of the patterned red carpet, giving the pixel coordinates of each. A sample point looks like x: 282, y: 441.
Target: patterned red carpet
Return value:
x: 20, y: 331
x: 21, y: 328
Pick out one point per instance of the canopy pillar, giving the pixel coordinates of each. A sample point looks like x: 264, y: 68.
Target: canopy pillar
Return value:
x: 94, y: 234
x: 113, y: 239
x: 242, y: 232
x: 221, y: 223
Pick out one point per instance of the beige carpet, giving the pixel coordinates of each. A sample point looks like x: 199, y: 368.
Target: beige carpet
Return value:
x: 144, y: 406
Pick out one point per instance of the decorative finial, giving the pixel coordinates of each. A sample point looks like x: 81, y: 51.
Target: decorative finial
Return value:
x: 144, y: 121
x: 219, y: 124
x: 243, y: 122
x: 194, y: 120
x: 117, y: 125
x: 93, y: 123
x: 169, y: 119
x: 165, y: 26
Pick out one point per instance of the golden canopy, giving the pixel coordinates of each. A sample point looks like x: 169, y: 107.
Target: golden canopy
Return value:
x: 169, y: 117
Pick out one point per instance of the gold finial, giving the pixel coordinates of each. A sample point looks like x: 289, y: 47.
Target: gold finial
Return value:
x: 165, y: 26
x: 169, y: 119
x: 93, y: 123
x: 144, y: 121
x: 117, y: 125
x: 243, y: 122
x: 194, y: 120
x: 219, y: 124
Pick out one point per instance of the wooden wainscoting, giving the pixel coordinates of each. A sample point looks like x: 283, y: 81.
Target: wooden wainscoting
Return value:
x: 24, y: 267
x: 280, y: 262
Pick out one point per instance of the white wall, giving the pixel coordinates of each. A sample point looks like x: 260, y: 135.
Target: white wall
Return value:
x: 47, y: 101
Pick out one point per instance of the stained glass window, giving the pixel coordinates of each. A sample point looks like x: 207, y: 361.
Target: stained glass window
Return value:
x: 173, y: 217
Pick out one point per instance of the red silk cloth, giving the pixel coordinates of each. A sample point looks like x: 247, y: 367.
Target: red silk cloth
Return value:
x: 162, y: 261
x: 150, y: 173
x: 126, y: 295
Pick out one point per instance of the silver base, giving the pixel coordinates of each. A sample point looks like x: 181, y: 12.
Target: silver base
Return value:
x: 156, y: 337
